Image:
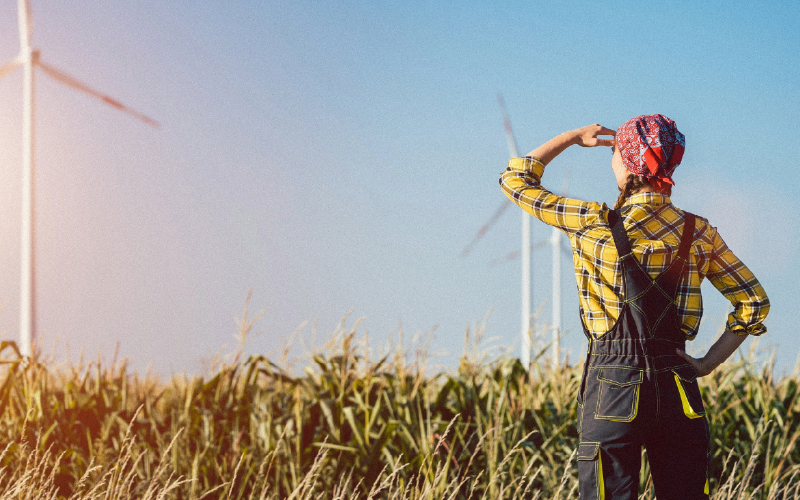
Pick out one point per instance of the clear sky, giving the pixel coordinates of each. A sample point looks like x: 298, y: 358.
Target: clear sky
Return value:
x: 340, y: 155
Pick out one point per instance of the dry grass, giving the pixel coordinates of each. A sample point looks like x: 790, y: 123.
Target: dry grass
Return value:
x: 349, y: 426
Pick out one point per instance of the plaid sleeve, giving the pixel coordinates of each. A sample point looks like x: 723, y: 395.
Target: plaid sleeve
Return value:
x: 735, y: 281
x: 521, y: 182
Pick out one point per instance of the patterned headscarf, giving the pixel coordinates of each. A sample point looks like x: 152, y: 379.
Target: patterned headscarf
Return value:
x: 651, y: 146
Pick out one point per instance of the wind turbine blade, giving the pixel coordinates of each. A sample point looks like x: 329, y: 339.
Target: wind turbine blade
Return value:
x: 25, y: 20
x: 511, y: 256
x: 76, y: 84
x: 512, y: 143
x: 485, y: 228
x: 512, y: 150
x: 8, y: 68
x: 515, y: 254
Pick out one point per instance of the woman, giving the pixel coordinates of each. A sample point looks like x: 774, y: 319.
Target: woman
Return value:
x: 639, y: 269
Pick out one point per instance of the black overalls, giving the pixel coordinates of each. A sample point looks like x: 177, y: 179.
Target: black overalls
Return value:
x: 636, y: 391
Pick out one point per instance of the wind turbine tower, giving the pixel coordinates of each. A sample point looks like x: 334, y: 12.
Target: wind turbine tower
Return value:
x: 29, y: 59
x: 525, y: 251
x: 555, y: 242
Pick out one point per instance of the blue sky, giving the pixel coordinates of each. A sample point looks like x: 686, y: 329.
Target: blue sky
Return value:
x: 340, y: 157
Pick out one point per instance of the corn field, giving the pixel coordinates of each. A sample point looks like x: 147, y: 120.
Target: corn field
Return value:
x: 350, y: 425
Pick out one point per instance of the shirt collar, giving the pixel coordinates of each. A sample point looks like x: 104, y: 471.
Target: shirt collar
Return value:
x: 647, y: 198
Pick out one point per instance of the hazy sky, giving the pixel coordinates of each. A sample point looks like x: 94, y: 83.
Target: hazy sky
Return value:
x: 338, y: 156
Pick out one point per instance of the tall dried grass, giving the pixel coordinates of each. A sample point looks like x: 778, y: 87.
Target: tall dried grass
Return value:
x: 350, y: 426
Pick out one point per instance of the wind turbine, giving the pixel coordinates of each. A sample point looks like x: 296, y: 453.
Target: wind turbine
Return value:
x: 556, y: 243
x: 525, y: 249
x: 525, y: 254
x: 29, y: 58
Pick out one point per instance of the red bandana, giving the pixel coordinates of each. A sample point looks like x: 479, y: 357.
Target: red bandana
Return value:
x: 652, y: 147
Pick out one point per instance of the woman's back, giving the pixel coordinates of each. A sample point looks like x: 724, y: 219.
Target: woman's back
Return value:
x: 654, y: 226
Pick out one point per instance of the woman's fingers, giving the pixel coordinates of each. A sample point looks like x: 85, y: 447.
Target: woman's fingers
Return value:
x: 696, y: 363
x: 588, y: 136
x: 606, y: 131
x: 591, y: 142
x: 688, y: 358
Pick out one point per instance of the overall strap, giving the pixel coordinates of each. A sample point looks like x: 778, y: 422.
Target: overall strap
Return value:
x: 618, y: 232
x: 688, y: 235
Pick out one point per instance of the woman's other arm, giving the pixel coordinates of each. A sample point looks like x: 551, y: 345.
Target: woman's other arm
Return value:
x: 750, y: 306
x: 716, y: 355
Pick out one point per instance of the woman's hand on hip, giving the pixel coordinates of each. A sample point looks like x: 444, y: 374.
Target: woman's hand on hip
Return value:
x: 699, y: 365
x: 722, y: 349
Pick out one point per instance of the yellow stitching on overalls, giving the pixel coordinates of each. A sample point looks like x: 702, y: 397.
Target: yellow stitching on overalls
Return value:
x: 621, y: 384
x: 646, y: 323
x: 634, y: 405
x: 601, y: 340
x: 652, y: 283
x: 648, y: 370
x: 608, y: 366
x: 640, y: 356
x: 687, y: 408
x: 638, y: 309
x: 663, y: 313
x: 634, y: 408
x: 663, y: 292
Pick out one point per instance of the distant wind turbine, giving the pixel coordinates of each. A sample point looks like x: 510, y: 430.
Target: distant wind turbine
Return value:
x: 565, y: 251
x: 525, y: 250
x: 558, y: 248
x: 29, y: 58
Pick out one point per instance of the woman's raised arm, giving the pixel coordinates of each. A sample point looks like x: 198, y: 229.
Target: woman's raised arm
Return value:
x: 585, y: 136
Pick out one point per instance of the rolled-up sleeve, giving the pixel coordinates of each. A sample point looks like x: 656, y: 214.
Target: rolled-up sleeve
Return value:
x: 521, y: 182
x: 738, y: 284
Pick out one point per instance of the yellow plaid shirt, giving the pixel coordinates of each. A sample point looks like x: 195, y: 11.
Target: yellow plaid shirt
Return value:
x: 654, y: 226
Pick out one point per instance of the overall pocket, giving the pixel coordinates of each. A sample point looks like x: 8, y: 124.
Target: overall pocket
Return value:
x: 692, y: 402
x: 590, y: 472
x: 618, y: 396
